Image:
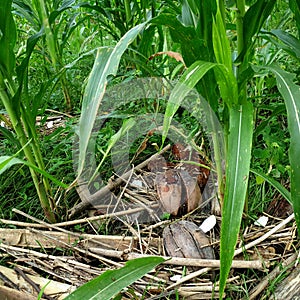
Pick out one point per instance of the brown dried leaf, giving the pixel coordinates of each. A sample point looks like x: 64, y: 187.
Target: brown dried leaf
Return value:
x: 192, y: 191
x: 172, y: 54
x: 185, y: 239
x: 169, y: 190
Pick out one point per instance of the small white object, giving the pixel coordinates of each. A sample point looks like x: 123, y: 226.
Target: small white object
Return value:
x: 261, y: 221
x: 49, y: 124
x: 137, y: 182
x: 175, y: 278
x: 208, y: 224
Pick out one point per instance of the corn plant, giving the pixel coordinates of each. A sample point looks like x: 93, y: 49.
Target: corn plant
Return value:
x: 219, y: 68
x: 22, y: 108
x: 47, y: 22
x: 232, y: 87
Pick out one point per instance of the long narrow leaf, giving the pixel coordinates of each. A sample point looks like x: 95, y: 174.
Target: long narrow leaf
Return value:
x: 290, y: 43
x: 237, y: 174
x: 106, y: 63
x: 253, y: 22
x: 8, y: 161
x: 111, y: 282
x: 188, y: 81
x: 7, y: 39
x: 221, y: 43
x: 291, y: 95
x: 279, y: 187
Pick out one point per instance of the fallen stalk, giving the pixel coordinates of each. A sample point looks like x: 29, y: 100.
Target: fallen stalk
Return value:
x: 182, y: 261
x: 89, y: 199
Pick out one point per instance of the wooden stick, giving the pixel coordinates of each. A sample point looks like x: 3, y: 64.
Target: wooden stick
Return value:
x: 271, y: 276
x: 265, y: 236
x: 94, y: 198
x: 181, y: 261
x: 79, y: 221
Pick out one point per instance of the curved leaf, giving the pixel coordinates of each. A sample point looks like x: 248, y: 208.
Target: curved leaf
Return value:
x: 105, y: 286
x: 291, y: 95
x: 106, y: 63
x: 290, y: 43
x: 237, y: 174
x: 8, y: 161
x: 225, y: 78
x: 279, y: 187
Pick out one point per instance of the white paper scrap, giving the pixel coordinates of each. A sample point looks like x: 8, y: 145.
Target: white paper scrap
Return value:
x: 49, y: 124
x: 208, y: 224
x: 137, y: 182
x: 261, y: 221
x: 175, y: 278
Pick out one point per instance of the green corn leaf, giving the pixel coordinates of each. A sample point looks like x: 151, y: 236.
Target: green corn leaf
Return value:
x: 24, y: 9
x: 7, y: 40
x: 279, y: 187
x: 8, y: 161
x: 290, y: 43
x: 253, y: 22
x: 221, y: 43
x: 187, y: 82
x: 291, y: 95
x: 226, y: 81
x: 112, y: 282
x: 237, y: 174
x: 295, y: 8
x: 106, y: 63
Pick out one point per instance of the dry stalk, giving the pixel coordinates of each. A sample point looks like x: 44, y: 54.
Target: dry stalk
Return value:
x: 181, y: 261
x: 265, y: 236
x: 271, y: 276
x: 92, y: 199
x: 74, y: 222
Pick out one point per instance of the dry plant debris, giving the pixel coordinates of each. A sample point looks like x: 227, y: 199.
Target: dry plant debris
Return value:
x: 38, y: 253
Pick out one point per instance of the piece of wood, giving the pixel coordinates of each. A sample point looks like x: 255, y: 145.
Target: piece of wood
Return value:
x: 289, y: 288
x: 52, y: 239
x: 93, y: 199
x: 11, y: 294
x: 182, y: 261
x: 53, y: 287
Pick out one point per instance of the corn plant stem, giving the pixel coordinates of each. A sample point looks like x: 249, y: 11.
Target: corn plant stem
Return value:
x: 31, y: 132
x: 23, y: 140
x: 239, y: 24
x: 53, y: 49
x: 127, y: 11
x: 39, y: 161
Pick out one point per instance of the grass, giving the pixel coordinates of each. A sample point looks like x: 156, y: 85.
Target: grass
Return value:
x: 16, y: 191
x: 271, y: 135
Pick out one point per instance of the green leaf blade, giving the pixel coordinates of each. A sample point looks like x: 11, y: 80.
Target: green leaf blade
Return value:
x: 291, y: 95
x: 187, y: 82
x: 290, y: 43
x: 7, y: 39
x: 106, y: 63
x: 237, y: 174
x: 105, y: 286
x: 221, y: 43
x: 280, y: 188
